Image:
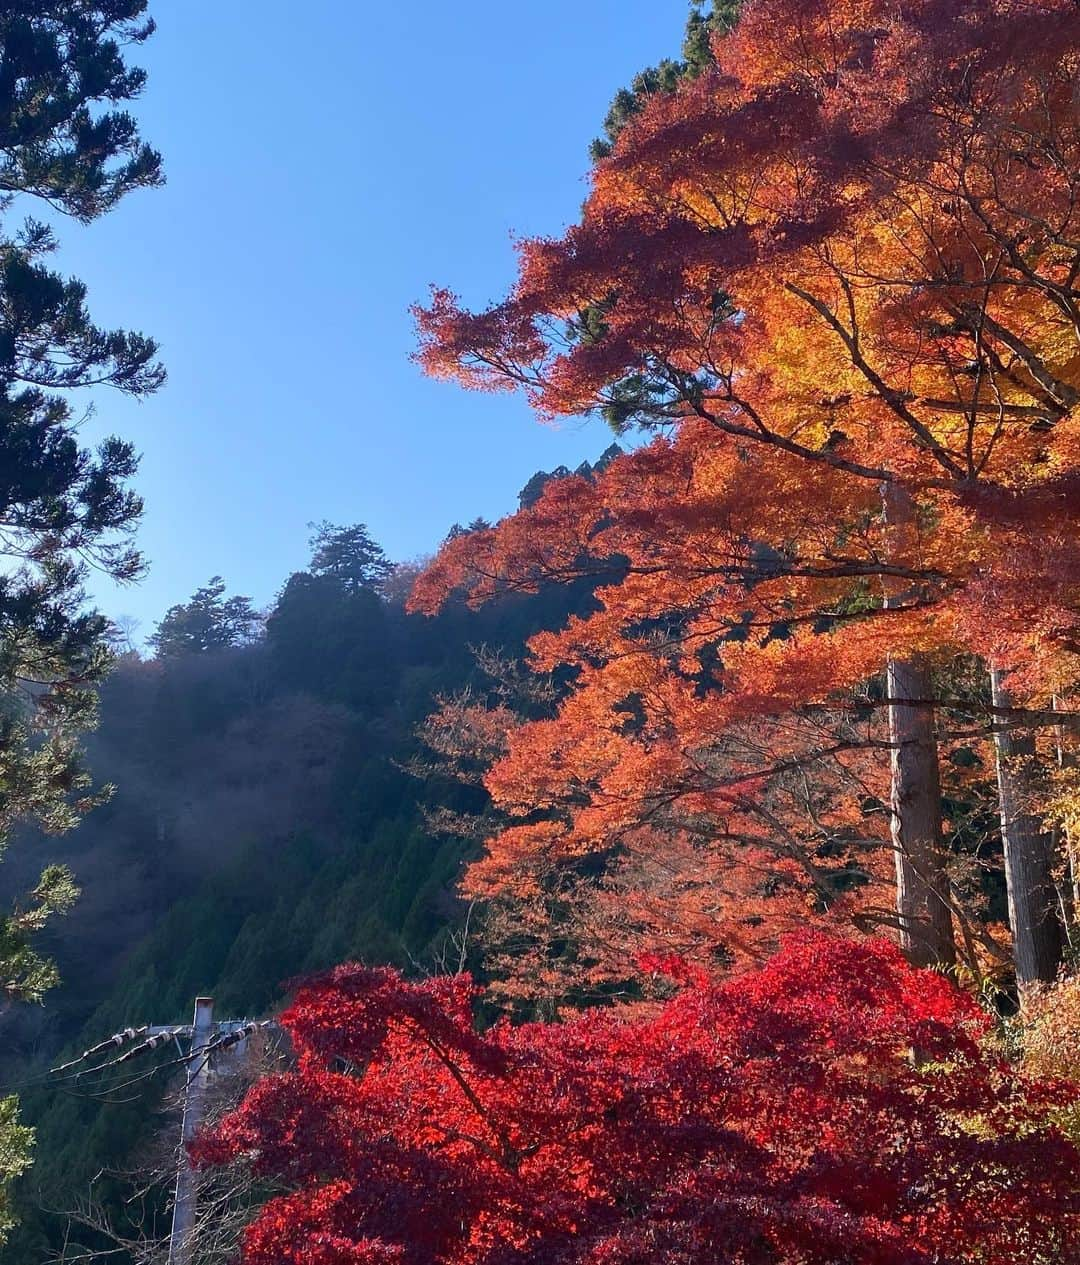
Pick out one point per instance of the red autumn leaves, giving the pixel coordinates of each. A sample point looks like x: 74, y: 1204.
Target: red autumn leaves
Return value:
x: 775, y: 1120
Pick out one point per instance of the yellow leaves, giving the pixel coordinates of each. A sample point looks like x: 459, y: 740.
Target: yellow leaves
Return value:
x: 1062, y: 809
x: 1050, y: 1033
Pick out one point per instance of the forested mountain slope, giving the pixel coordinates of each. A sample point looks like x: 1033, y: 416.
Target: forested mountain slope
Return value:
x: 262, y: 827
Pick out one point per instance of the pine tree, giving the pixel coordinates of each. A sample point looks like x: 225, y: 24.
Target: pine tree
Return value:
x: 348, y: 555
x: 63, y: 507
x: 209, y: 621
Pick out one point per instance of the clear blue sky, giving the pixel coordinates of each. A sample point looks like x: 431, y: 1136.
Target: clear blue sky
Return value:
x: 326, y: 162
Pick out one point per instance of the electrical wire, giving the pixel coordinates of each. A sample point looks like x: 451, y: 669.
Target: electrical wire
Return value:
x: 73, y: 1071
x: 117, y: 1039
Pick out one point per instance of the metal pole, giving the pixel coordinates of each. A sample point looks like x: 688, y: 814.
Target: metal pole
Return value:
x: 181, y: 1241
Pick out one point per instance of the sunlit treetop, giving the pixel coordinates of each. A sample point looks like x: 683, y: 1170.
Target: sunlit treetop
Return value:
x: 850, y: 243
x: 854, y: 235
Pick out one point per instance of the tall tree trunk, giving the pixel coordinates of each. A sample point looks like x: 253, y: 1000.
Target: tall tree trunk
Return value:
x: 923, y: 908
x: 1029, y: 854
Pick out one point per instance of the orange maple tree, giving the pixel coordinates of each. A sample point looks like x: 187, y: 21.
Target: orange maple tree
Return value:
x: 723, y: 808
x: 839, y: 269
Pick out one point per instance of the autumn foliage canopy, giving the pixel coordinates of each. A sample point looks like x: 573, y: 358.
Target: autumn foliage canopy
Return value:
x: 838, y: 273
x: 844, y: 258
x: 775, y: 1120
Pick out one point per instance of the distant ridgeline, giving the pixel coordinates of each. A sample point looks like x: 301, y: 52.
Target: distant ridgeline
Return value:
x: 262, y: 827
x: 532, y: 491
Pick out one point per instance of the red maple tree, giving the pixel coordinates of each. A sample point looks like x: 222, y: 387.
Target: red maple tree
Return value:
x: 777, y: 1119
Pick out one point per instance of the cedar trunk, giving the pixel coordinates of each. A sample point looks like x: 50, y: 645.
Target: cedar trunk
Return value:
x: 1029, y: 852
x: 923, y: 909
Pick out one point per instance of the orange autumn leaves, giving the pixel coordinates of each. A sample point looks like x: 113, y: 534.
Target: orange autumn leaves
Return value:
x: 723, y: 818
x: 844, y: 259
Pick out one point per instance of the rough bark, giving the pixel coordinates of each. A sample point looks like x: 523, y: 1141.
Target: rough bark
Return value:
x: 923, y: 908
x: 1029, y: 853
x: 922, y: 884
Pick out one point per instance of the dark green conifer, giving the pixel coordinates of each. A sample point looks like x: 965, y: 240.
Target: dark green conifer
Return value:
x: 209, y: 621
x: 701, y: 25
x: 348, y: 555
x: 65, y: 142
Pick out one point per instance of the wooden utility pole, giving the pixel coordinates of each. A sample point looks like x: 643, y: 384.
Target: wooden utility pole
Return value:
x: 198, y: 1075
x: 207, y: 1040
